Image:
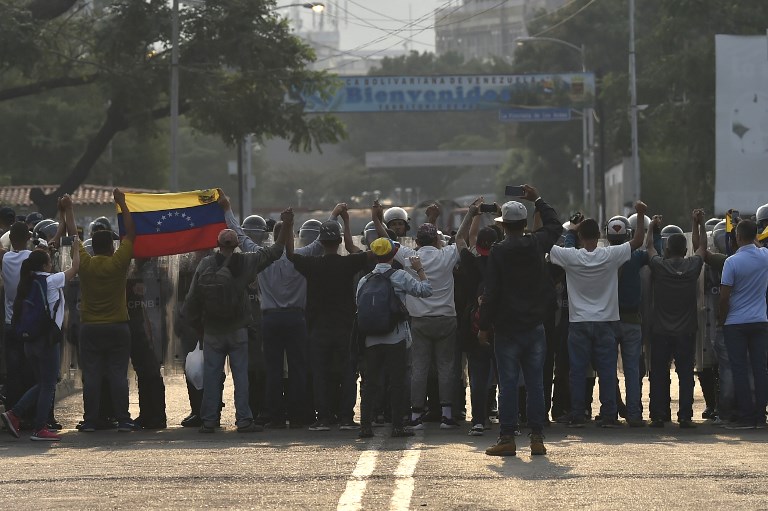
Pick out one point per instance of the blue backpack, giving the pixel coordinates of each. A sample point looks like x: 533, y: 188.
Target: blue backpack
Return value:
x: 379, y: 310
x: 35, y: 318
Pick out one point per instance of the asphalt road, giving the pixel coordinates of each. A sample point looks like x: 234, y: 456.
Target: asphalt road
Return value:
x: 178, y: 468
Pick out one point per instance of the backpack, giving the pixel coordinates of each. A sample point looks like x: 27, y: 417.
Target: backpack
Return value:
x: 221, y: 297
x: 35, y: 319
x: 379, y: 310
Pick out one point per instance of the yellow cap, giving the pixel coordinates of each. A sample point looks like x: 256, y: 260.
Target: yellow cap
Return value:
x: 383, y: 246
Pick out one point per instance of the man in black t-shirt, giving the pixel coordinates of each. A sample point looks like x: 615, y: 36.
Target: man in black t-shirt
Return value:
x: 330, y: 315
x: 675, y: 321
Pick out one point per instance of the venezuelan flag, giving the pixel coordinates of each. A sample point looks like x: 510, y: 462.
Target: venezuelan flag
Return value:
x: 173, y: 223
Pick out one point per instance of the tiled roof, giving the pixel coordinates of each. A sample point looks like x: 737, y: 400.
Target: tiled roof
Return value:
x: 85, y: 195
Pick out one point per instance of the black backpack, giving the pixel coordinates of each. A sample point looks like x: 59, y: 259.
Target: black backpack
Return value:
x: 35, y: 321
x: 221, y: 297
x: 379, y: 310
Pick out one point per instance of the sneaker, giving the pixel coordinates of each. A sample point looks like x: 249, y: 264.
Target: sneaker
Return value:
x: 192, y: 421
x: 761, y: 425
x: 609, y: 423
x: 577, y: 422
x: 563, y: 419
x: 505, y: 446
x: 86, y: 427
x: 477, y: 430
x: 275, y: 425
x: 320, y: 425
x: 740, y: 425
x: 252, y: 427
x: 45, y: 435
x: 636, y: 423
x: 206, y: 429
x: 12, y: 423
x: 656, y: 423
x: 348, y: 425
x: 708, y: 413
x: 54, y: 425
x: 365, y: 432
x: 446, y: 423
x: 717, y: 421
x: 126, y: 426
x: 537, y: 444
x: 414, y: 425
x: 401, y: 433
x: 143, y: 423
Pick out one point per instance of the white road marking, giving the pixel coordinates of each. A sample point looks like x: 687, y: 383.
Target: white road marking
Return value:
x: 352, y: 498
x: 404, y: 482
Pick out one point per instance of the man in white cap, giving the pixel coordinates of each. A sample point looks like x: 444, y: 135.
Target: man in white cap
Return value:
x: 518, y: 292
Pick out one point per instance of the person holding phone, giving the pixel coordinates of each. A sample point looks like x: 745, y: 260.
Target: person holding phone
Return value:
x: 518, y: 292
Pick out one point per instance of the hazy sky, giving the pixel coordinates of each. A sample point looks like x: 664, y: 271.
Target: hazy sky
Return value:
x: 367, y: 24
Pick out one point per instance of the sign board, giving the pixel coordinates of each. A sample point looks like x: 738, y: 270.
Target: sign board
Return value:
x: 741, y: 123
x: 534, y: 114
x: 451, y: 93
x: 400, y: 159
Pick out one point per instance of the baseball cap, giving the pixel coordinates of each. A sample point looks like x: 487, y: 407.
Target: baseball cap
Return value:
x: 427, y: 233
x: 616, y: 228
x: 384, y: 248
x: 512, y: 211
x: 227, y: 238
x: 486, y: 237
x: 330, y: 231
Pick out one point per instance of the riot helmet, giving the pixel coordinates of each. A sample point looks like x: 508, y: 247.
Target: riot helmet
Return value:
x: 617, y: 230
x: 718, y: 237
x: 309, y: 232
x: 33, y: 219
x: 711, y: 223
x: 397, y: 220
x: 633, y: 222
x: 669, y: 230
x: 369, y: 234
x: 255, y: 227
x: 45, y: 230
x: 761, y: 218
x: 88, y: 246
x: 100, y: 224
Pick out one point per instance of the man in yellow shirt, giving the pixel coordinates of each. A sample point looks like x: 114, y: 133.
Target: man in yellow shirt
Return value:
x: 105, y: 339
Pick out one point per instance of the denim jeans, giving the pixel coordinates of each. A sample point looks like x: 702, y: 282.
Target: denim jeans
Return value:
x: 631, y: 343
x: 747, y: 346
x: 593, y: 341
x: 19, y: 375
x: 726, y: 393
x: 664, y: 348
x: 45, y: 360
x: 434, y: 340
x: 333, y: 374
x: 381, y: 360
x: 481, y: 367
x: 104, y: 353
x: 285, y: 338
x: 216, y: 348
x: 514, y: 351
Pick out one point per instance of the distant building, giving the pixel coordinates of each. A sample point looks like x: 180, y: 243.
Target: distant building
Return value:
x: 481, y: 29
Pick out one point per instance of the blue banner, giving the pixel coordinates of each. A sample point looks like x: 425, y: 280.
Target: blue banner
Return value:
x: 448, y: 93
x: 534, y: 114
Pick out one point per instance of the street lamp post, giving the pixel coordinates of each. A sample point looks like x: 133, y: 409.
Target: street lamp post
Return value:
x: 633, y: 100
x: 587, y: 128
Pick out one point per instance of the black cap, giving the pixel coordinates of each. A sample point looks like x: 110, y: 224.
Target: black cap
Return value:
x: 330, y: 231
x: 7, y: 215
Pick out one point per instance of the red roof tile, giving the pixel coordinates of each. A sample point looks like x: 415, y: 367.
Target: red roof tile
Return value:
x: 85, y: 195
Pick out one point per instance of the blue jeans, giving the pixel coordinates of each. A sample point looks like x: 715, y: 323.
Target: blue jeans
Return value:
x: 285, y: 337
x: 216, y: 347
x: 682, y: 349
x: 631, y: 342
x: 480, y: 364
x: 105, y: 349
x: 516, y: 350
x: 44, y: 358
x: 333, y: 374
x: 726, y: 392
x: 747, y: 346
x: 595, y: 342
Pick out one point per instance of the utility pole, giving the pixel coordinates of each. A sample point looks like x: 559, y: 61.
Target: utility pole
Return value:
x: 633, y: 100
x: 174, y: 95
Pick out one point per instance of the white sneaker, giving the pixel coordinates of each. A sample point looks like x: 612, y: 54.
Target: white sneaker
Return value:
x: 477, y: 430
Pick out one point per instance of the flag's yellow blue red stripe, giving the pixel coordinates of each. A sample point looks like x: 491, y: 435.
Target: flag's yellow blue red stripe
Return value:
x: 173, y: 223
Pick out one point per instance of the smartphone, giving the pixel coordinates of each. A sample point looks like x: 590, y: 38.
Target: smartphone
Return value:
x: 514, y: 191
x: 487, y: 208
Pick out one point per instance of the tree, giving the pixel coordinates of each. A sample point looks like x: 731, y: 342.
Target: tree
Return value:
x: 238, y: 63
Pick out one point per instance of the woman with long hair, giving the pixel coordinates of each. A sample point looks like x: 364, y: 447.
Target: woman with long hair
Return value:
x: 44, y: 356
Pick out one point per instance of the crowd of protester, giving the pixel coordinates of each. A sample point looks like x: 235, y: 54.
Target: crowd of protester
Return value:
x: 536, y: 312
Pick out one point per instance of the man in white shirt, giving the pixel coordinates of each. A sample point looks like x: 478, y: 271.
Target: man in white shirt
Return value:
x: 19, y: 377
x: 592, y: 276
x: 433, y: 319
